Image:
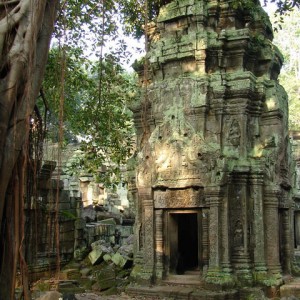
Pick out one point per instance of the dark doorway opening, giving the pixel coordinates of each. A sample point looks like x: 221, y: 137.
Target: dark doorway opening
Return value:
x: 184, y: 242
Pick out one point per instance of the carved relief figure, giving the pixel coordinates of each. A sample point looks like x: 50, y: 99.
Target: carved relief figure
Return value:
x: 234, y: 135
x: 238, y: 237
x: 144, y: 168
x: 167, y: 143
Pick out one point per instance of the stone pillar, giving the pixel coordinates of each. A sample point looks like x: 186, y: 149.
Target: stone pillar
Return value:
x: 225, y: 262
x: 256, y: 181
x: 239, y: 219
x: 145, y: 195
x: 213, y: 198
x: 287, y: 240
x: 205, y: 237
x: 272, y: 230
x: 297, y: 229
x: 159, y: 246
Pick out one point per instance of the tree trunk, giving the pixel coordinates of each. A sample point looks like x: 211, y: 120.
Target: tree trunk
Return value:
x: 25, y: 32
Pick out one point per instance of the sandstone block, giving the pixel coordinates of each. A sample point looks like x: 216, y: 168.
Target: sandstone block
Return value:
x: 120, y: 260
x: 96, y: 255
x: 106, y: 278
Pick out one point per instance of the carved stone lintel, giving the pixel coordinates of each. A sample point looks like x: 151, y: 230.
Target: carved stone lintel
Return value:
x: 177, y: 198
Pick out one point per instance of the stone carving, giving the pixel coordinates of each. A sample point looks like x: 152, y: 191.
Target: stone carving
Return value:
x: 216, y: 139
x: 144, y: 169
x: 234, y: 135
x: 178, y: 198
x: 238, y: 238
x: 160, y: 199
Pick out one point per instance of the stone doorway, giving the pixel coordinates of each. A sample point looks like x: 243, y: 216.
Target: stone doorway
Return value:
x: 183, y: 241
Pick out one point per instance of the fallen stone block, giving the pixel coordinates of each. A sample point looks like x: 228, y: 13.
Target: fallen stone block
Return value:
x: 85, y: 272
x: 100, y: 243
x: 121, y: 261
x: 126, y: 250
x: 80, y: 254
x: 109, y: 221
x: 53, y: 295
x: 129, y: 240
x: 107, y: 257
x: 70, y: 274
x: 96, y: 255
x: 106, y: 278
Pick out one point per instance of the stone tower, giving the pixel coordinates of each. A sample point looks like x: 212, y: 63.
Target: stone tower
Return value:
x: 212, y: 165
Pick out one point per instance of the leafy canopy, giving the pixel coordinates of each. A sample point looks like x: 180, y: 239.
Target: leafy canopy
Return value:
x: 86, y: 88
x: 288, y: 41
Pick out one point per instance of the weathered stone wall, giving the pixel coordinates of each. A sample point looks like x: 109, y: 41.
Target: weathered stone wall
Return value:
x: 46, y: 218
x: 212, y: 136
x: 91, y: 192
x: 64, y: 204
x: 295, y: 136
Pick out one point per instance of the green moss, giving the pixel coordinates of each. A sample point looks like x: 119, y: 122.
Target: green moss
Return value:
x: 42, y: 286
x: 295, y: 269
x: 111, y: 291
x: 138, y: 65
x: 274, y: 280
x: 136, y: 271
x: 71, y: 290
x: 223, y: 279
x: 260, y: 277
x: 86, y: 283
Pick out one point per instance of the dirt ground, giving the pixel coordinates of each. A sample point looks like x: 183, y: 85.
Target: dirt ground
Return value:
x: 122, y: 296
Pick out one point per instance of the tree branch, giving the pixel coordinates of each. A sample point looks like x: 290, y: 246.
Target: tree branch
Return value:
x: 14, y: 16
x: 9, y: 2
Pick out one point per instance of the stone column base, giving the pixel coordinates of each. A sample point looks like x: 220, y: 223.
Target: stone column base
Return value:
x: 260, y: 273
x: 140, y: 273
x: 220, y: 277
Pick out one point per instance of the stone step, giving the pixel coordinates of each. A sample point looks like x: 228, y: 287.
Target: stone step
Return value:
x: 181, y: 293
x: 291, y: 289
x: 186, y: 279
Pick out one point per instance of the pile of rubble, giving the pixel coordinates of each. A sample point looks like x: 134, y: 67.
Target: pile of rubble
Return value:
x: 106, y: 269
x: 121, y: 256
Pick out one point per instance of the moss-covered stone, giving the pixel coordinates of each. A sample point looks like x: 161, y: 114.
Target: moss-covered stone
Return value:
x: 106, y: 278
x: 219, y: 278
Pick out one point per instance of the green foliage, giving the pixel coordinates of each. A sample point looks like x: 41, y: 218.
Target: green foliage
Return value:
x: 96, y: 95
x: 76, y: 84
x: 282, y: 8
x: 86, y: 23
x: 108, y: 129
x: 89, y: 96
x: 285, y: 6
x: 288, y: 41
x: 135, y: 13
x: 68, y: 215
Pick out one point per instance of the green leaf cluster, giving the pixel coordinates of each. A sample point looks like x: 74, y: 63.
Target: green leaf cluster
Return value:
x: 96, y: 95
x: 288, y: 41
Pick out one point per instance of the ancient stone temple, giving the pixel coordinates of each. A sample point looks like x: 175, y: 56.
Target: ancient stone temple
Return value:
x: 213, y: 191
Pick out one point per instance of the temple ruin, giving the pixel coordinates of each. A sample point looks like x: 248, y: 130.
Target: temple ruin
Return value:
x: 213, y: 182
